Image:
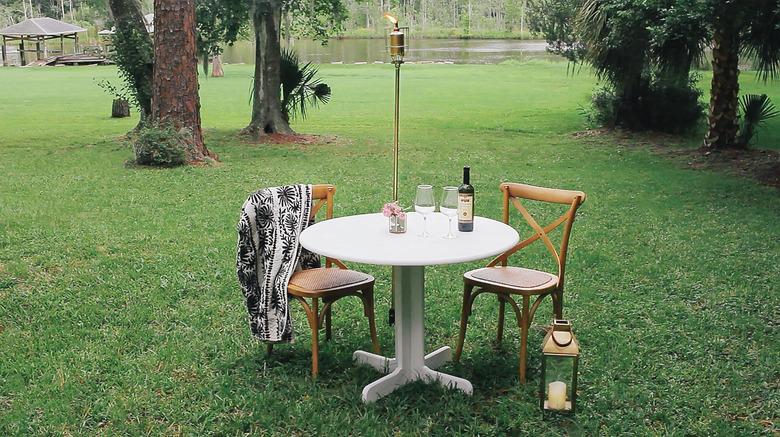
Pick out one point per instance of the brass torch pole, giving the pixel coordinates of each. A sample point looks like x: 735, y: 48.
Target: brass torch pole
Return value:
x: 397, y: 49
x: 395, y: 130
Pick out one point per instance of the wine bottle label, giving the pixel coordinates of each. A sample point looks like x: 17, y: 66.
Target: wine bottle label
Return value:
x: 465, y: 207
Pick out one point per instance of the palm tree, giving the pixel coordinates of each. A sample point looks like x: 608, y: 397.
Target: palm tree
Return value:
x: 749, y: 28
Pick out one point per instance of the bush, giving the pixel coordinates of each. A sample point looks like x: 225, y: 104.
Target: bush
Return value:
x: 659, y: 106
x: 603, y: 104
x: 160, y: 146
x: 673, y: 108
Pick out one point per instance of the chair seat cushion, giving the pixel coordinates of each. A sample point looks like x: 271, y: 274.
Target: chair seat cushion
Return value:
x: 327, y: 279
x: 514, y: 277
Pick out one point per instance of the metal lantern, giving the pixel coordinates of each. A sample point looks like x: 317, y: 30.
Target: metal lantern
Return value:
x: 397, y: 42
x: 558, y: 381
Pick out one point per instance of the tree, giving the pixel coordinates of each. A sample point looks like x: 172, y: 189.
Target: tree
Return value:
x: 267, y: 115
x: 645, y: 50
x: 315, y: 19
x: 175, y: 86
x: 219, y: 22
x: 555, y: 20
x: 740, y: 27
x: 134, y: 52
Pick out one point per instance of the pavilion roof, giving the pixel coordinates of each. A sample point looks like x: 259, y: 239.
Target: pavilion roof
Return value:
x: 42, y: 26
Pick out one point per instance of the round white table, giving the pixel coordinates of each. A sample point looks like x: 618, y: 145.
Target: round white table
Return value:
x: 366, y: 239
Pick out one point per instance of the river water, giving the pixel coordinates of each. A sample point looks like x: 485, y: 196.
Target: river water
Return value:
x: 458, y: 51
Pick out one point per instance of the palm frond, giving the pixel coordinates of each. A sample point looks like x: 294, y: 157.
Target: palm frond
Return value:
x: 756, y: 110
x: 301, y: 88
x: 761, y: 38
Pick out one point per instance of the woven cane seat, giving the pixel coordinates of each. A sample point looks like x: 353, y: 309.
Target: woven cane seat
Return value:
x: 514, y: 277
x: 327, y: 279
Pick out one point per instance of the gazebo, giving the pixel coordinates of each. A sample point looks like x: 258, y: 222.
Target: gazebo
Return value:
x: 38, y: 31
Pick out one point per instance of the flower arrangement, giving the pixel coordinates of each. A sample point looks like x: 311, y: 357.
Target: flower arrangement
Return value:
x: 397, y: 217
x: 392, y: 209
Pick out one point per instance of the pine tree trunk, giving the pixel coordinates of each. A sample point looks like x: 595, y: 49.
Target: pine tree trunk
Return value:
x: 266, y: 94
x: 132, y: 44
x: 216, y: 67
x: 724, y: 95
x: 120, y: 108
x: 175, y: 97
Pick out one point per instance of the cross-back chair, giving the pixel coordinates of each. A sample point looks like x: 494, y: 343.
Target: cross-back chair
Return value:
x: 506, y: 281
x: 329, y: 285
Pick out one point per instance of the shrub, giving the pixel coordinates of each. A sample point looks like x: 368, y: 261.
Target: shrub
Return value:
x: 673, y: 108
x: 659, y: 106
x: 160, y: 146
x: 603, y: 104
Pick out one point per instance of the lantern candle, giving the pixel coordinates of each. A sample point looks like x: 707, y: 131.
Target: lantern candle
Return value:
x: 556, y: 395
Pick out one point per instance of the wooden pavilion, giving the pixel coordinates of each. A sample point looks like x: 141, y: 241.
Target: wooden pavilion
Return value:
x: 37, y: 31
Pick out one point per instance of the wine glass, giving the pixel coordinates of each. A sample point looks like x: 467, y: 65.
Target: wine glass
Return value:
x: 449, y: 207
x: 424, y: 205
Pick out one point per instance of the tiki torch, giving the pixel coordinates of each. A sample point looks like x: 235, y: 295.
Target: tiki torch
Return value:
x: 397, y: 48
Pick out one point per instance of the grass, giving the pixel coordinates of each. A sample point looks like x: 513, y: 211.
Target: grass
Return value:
x: 120, y: 312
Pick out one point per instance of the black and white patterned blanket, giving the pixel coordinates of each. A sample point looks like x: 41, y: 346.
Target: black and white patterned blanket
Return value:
x: 271, y: 221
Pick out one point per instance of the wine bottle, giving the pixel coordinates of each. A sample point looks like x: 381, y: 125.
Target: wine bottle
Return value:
x: 466, y: 203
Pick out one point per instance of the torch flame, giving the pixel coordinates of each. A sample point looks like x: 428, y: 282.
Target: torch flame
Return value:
x: 392, y: 19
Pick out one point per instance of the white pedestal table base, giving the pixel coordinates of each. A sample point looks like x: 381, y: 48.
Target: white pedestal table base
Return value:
x: 411, y: 363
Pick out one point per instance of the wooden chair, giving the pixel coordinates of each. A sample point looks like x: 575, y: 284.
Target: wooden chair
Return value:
x: 329, y: 285
x: 505, y: 281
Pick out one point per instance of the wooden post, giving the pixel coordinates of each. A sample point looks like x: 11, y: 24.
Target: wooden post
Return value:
x: 5, y: 55
x: 38, y: 49
x: 76, y: 42
x: 21, y: 53
x: 62, y: 45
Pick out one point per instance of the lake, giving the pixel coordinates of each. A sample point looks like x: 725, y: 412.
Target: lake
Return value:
x: 458, y: 51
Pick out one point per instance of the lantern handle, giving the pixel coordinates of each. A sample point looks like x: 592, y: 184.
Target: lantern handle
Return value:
x: 562, y: 340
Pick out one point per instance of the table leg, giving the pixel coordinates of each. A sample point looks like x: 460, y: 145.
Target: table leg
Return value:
x: 410, y: 363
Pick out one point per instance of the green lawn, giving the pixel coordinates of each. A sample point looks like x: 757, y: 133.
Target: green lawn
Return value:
x: 120, y: 312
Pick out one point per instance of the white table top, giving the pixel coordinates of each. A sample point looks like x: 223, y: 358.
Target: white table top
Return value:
x: 366, y: 239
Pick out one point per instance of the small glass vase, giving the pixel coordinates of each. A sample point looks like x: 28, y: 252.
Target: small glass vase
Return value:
x: 397, y: 224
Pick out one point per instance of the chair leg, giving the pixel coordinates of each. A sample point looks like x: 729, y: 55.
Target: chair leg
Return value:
x: 368, y: 309
x: 501, y: 309
x: 315, y: 334
x: 464, y: 320
x: 328, y: 315
x: 558, y: 303
x: 524, y: 326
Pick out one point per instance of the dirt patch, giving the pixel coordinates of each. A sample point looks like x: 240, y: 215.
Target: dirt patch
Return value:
x: 758, y: 164
x: 296, y: 139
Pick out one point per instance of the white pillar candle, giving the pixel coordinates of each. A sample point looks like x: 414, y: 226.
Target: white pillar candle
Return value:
x: 556, y: 395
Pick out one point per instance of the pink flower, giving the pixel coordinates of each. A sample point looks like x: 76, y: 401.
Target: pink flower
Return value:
x: 392, y: 209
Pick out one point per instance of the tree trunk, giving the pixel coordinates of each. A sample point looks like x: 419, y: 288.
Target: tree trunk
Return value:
x: 724, y: 95
x: 135, y: 55
x: 175, y: 97
x: 216, y: 67
x: 266, y: 94
x: 120, y: 108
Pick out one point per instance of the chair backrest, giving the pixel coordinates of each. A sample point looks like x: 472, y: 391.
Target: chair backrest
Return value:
x: 322, y: 195
x: 514, y: 192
